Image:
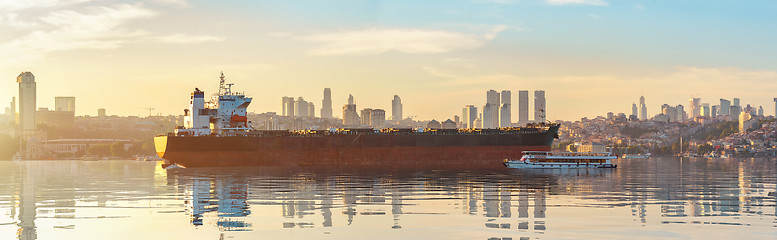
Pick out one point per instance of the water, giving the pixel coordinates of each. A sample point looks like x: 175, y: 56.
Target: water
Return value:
x: 662, y: 198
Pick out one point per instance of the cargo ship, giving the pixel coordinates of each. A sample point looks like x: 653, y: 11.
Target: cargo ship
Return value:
x: 217, y: 133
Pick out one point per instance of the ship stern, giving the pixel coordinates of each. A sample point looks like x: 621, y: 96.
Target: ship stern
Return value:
x: 160, y: 143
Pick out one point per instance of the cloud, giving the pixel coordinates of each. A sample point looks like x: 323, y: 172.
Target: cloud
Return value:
x: 578, y: 2
x: 406, y: 40
x: 189, y: 39
x: 92, y: 28
x: 13, y: 5
x: 12, y: 20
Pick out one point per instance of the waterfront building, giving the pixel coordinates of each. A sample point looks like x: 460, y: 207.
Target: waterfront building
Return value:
x: 350, y: 116
x: 725, y: 107
x: 469, y: 114
x: 505, y: 112
x: 523, y: 106
x: 301, y: 107
x: 642, y: 109
x: 27, y: 101
x: 396, y: 109
x: 326, y: 104
x: 540, y: 108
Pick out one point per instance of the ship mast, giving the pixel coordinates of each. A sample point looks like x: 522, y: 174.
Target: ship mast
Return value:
x: 222, y: 85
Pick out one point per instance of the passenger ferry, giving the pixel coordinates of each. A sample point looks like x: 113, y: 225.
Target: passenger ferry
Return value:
x: 537, y: 159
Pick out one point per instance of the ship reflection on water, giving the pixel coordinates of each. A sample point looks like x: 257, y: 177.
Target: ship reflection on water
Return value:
x: 691, y: 198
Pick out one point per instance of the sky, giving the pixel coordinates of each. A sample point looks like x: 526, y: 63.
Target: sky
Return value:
x: 590, y: 56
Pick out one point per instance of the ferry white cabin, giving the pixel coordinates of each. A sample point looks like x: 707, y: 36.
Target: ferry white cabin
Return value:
x: 539, y: 159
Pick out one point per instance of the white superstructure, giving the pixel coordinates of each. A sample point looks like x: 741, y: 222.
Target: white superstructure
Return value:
x: 224, y: 114
x: 538, y: 159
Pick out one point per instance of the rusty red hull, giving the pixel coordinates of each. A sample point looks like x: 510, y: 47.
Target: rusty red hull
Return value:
x: 386, y: 150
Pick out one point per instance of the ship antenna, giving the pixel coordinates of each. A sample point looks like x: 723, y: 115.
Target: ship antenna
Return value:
x: 221, y: 84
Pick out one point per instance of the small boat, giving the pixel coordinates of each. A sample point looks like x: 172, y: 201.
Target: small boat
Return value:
x: 641, y: 156
x: 538, y: 159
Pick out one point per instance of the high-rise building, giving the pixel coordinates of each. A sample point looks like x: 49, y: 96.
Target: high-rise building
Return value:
x: 695, y: 105
x: 366, y: 116
x: 491, y: 110
x: 468, y: 116
x: 642, y: 109
x: 714, y: 110
x: 311, y: 110
x: 760, y: 110
x: 13, y: 109
x: 523, y: 106
x: 350, y: 116
x: 27, y: 101
x: 301, y: 107
x: 65, y: 104
x: 326, y: 104
x: 101, y: 112
x: 705, y: 109
x: 735, y: 112
x: 725, y: 107
x: 775, y: 107
x: 681, y: 114
x: 377, y: 118
x: 287, y: 103
x: 736, y: 103
x: 540, y: 109
x: 505, y: 112
x: 634, y: 110
x: 396, y: 109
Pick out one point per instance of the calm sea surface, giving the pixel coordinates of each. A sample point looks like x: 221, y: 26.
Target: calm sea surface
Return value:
x: 659, y: 198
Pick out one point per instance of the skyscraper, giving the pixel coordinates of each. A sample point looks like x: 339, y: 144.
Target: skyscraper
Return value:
x: 695, y: 105
x: 775, y: 107
x: 634, y: 110
x: 13, y: 109
x: 714, y: 110
x: 311, y: 110
x: 287, y: 103
x: 760, y: 110
x: 396, y: 109
x: 326, y: 104
x: 27, y: 100
x: 468, y: 116
x: 505, y: 112
x: 301, y: 107
x: 736, y: 102
x: 540, y: 109
x: 642, y: 109
x: 681, y: 114
x: 705, y: 109
x: 350, y: 116
x: 491, y: 110
x: 725, y: 107
x: 523, y: 106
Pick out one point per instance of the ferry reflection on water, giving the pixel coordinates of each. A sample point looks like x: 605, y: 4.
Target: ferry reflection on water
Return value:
x: 693, y: 198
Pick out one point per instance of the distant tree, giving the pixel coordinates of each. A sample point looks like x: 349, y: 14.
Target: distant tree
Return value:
x: 8, y: 146
x: 99, y: 150
x: 117, y: 150
x: 704, y: 148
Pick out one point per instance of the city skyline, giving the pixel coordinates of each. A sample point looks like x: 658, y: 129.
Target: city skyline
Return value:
x: 443, y: 57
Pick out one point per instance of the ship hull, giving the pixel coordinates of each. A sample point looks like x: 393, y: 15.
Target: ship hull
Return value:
x: 386, y: 150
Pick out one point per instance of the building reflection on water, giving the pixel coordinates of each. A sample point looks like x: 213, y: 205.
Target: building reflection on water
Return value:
x: 51, y: 196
